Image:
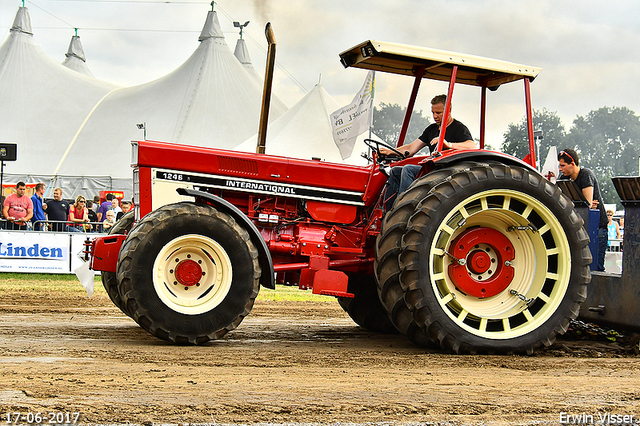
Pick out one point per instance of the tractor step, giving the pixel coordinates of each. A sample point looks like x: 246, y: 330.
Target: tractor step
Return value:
x: 325, y: 282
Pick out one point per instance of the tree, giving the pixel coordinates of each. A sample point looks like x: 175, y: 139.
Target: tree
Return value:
x: 608, y: 142
x: 387, y: 123
x: 516, y: 139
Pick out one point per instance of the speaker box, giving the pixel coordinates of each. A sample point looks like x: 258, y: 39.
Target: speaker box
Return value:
x: 8, y: 151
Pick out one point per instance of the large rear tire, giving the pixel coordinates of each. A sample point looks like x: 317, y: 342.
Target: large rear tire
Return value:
x: 495, y: 259
x: 388, y: 246
x: 109, y: 280
x: 365, y: 308
x: 188, y: 273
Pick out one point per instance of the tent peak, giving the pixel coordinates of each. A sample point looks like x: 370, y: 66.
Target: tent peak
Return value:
x: 22, y: 22
x: 75, y: 49
x: 211, y: 27
x: 242, y: 53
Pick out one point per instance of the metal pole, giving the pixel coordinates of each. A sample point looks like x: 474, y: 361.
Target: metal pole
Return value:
x: 483, y: 114
x: 266, y: 94
x: 1, y: 179
x: 419, y: 72
x: 527, y: 99
x: 447, y: 108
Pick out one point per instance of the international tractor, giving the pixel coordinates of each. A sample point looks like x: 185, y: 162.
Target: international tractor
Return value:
x: 481, y: 254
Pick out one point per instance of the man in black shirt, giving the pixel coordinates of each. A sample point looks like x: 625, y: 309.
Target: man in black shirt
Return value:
x: 58, y: 210
x: 457, y: 136
x: 569, y: 164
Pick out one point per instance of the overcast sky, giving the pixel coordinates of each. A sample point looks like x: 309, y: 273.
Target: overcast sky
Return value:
x: 589, y: 50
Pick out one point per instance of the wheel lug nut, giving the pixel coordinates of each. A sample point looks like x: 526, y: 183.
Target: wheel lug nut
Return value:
x: 204, y: 273
x: 186, y: 288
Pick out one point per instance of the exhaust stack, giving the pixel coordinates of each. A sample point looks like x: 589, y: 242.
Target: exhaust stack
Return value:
x: 266, y: 94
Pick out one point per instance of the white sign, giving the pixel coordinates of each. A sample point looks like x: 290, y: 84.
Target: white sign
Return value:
x: 41, y: 252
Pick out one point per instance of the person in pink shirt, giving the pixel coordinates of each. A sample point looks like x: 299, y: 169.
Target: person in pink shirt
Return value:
x: 18, y: 209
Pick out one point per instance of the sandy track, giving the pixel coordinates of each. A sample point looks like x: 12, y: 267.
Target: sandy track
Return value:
x: 287, y: 362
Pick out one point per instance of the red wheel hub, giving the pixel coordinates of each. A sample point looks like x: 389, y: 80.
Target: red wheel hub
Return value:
x: 188, y: 272
x: 484, y: 268
x: 479, y: 261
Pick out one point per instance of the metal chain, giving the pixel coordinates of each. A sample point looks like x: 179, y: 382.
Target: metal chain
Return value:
x: 595, y: 330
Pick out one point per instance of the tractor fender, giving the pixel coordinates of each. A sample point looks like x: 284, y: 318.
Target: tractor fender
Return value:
x: 478, y: 156
x: 267, y: 279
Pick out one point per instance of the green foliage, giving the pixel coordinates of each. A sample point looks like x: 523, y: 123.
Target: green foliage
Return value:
x: 68, y: 283
x: 608, y: 142
x: 387, y: 123
x: 516, y: 140
x: 284, y: 293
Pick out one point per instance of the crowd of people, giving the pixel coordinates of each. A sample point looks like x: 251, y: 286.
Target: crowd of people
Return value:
x: 21, y: 212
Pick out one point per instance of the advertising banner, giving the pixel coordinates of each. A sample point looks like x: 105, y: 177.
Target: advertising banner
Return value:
x: 41, y: 252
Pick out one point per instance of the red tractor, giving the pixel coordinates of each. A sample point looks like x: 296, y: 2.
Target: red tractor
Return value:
x: 480, y: 254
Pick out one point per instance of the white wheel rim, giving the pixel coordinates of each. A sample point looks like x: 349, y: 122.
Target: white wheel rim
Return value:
x: 542, y: 265
x: 216, y: 274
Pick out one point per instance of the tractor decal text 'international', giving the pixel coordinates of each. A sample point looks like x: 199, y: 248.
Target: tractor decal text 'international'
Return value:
x: 256, y: 186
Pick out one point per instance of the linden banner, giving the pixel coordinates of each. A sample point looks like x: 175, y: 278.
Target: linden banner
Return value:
x: 41, y: 252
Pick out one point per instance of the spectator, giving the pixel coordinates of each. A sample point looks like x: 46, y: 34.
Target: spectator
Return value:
x: 39, y: 218
x: 569, y: 164
x: 93, y: 217
x: 126, y: 206
x: 613, y: 229
x: 109, y: 220
x: 115, y: 206
x: 104, y: 207
x: 58, y: 211
x: 18, y: 208
x: 79, y: 215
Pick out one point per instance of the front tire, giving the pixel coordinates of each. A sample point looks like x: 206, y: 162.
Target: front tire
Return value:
x: 188, y: 273
x: 388, y: 247
x: 495, y: 260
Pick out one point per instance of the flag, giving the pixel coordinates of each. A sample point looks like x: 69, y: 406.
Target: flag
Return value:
x: 351, y: 120
x: 86, y: 277
x: 550, y: 169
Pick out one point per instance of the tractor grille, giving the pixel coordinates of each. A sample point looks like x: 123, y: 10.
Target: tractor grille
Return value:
x: 238, y: 165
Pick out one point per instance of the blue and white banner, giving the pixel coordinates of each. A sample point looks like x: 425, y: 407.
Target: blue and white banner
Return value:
x: 41, y: 252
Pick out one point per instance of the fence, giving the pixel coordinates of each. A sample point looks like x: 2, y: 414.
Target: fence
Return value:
x: 54, y: 226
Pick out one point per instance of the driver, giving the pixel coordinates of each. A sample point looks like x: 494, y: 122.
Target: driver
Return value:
x: 457, y: 137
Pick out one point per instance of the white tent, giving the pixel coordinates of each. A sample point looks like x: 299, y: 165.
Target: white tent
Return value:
x: 75, y: 131
x: 42, y: 104
x: 304, y: 131
x: 242, y: 54
x: 75, y: 58
x: 210, y: 100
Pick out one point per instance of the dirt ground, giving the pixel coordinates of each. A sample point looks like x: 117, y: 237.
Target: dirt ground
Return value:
x: 288, y: 362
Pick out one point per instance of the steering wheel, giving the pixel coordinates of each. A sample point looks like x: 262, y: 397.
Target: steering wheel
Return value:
x: 375, y: 145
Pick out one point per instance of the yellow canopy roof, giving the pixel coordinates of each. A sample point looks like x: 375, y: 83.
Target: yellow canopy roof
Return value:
x: 404, y: 59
